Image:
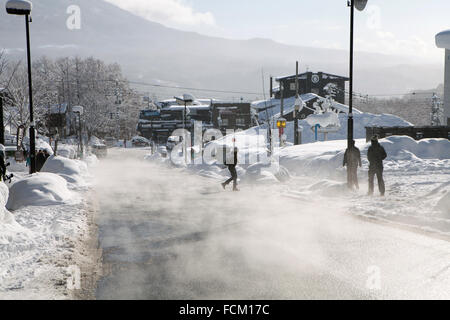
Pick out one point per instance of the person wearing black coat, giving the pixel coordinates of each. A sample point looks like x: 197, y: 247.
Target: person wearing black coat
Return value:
x: 2, y: 167
x: 376, y: 154
x: 232, y: 169
x: 352, y: 158
x: 40, y: 160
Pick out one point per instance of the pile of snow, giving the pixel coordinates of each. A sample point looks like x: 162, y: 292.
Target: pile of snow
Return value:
x: 324, y: 120
x: 94, y: 141
x: 71, y: 170
x: 91, y: 160
x: 10, y: 231
x: 4, y: 195
x: 317, y: 159
x: 41, y: 189
x: 325, y: 158
x: 272, y: 108
x: 406, y: 148
x: 67, y: 151
x: 41, y: 144
x: 265, y: 173
x: 444, y: 205
x: 361, y: 121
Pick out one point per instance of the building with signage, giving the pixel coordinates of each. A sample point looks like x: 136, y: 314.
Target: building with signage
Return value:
x: 319, y: 83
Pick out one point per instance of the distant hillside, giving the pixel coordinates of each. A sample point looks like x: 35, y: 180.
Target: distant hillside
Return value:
x: 150, y: 52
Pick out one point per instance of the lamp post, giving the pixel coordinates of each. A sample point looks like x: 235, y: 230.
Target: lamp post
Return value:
x: 2, y: 127
x: 23, y: 8
x: 186, y: 98
x: 360, y: 5
x: 79, y: 110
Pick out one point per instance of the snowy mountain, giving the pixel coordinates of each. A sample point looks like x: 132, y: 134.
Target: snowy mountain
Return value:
x: 151, y: 52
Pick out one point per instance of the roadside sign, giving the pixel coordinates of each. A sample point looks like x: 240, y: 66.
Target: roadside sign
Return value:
x: 281, y: 123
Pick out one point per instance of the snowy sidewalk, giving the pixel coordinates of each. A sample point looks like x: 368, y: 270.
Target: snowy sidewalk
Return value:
x: 43, y: 240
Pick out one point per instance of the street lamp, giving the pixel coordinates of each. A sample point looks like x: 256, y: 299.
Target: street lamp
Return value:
x: 23, y: 8
x: 186, y: 98
x: 360, y: 5
x: 3, y: 95
x: 79, y: 110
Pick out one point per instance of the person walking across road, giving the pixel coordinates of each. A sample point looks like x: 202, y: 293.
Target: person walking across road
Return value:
x: 376, y: 154
x: 233, y: 172
x: 352, y: 158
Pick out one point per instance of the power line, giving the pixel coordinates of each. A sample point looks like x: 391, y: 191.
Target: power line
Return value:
x: 168, y: 87
x: 193, y: 89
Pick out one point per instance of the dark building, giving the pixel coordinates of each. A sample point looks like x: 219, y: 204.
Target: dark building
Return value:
x: 310, y: 82
x: 417, y: 133
x: 159, y: 125
x: 231, y: 116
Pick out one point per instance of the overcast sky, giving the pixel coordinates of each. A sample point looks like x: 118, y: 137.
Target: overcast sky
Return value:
x: 403, y: 27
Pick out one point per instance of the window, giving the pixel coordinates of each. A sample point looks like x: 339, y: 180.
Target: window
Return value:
x: 240, y: 121
x: 224, y: 122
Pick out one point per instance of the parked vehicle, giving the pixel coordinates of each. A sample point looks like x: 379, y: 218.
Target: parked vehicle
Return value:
x: 10, y: 151
x: 172, y: 141
x: 140, y: 142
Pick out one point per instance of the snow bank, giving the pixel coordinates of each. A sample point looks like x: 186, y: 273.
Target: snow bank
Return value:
x: 361, y: 121
x: 71, y: 170
x: 10, y: 231
x: 265, y: 173
x: 95, y: 141
x: 444, y: 205
x: 41, y: 189
x: 91, y: 160
x: 325, y: 158
x: 4, y: 195
x: 41, y: 144
x: 405, y: 148
x: 66, y: 151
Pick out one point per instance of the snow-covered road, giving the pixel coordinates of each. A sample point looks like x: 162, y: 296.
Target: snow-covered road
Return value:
x: 166, y: 233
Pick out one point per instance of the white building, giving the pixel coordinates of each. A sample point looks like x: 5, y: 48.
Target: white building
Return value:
x: 443, y: 41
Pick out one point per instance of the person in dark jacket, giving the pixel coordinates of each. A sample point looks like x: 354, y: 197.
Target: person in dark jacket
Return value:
x: 46, y: 154
x: 2, y: 167
x: 40, y: 160
x: 352, y: 158
x: 376, y: 154
x: 232, y: 169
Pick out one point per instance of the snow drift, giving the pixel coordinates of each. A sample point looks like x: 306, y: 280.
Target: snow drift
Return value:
x: 324, y: 158
x: 71, y: 170
x: 41, y: 189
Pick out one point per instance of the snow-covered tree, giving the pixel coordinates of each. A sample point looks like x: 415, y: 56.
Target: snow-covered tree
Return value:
x: 100, y: 88
x: 437, y: 111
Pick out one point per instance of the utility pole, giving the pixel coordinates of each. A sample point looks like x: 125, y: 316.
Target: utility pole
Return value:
x: 282, y: 99
x: 30, y: 92
x: 2, y: 127
x: 271, y: 87
x: 184, y: 132
x: 296, y: 140
x: 350, y: 101
x: 23, y: 8
x: 118, y: 103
